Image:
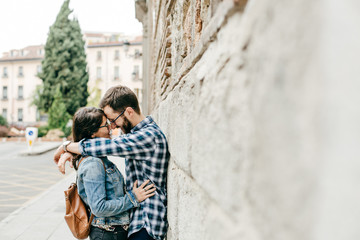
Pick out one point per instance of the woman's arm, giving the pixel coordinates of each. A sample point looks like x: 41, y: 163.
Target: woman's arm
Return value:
x: 94, y: 184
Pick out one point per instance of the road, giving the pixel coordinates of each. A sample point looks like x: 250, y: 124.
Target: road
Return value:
x: 23, y: 177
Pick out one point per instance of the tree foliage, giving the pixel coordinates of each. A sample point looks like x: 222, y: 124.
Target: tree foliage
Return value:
x: 64, y: 65
x: 58, y: 116
x: 3, y: 121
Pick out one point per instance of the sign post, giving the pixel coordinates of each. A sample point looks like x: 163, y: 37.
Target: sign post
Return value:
x: 31, y: 134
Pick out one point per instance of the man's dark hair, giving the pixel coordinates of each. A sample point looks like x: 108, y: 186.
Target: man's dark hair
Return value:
x: 119, y: 98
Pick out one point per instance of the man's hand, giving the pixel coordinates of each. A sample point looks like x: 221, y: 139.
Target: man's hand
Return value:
x: 143, y: 192
x: 62, y: 161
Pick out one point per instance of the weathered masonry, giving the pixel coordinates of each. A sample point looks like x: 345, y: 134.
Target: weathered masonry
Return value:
x: 260, y: 104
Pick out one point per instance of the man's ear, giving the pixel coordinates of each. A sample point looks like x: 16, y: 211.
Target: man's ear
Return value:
x: 129, y: 111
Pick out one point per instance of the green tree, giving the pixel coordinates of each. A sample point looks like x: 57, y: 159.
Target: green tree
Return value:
x: 58, y: 117
x: 3, y: 121
x: 64, y: 65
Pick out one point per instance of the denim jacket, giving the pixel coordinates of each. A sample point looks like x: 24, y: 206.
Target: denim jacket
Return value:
x: 104, y: 193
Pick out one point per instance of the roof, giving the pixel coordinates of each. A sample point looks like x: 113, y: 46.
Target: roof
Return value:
x: 137, y: 39
x: 88, y: 34
x: 111, y: 44
x: 35, y: 52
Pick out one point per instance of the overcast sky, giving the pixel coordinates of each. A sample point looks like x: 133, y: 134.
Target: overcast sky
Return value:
x: 27, y: 22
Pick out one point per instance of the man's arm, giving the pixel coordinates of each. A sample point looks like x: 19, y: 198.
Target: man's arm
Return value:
x: 139, y: 145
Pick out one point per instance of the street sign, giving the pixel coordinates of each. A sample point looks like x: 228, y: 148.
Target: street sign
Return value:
x: 31, y: 134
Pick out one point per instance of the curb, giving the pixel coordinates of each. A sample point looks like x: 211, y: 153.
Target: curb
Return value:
x: 41, y: 150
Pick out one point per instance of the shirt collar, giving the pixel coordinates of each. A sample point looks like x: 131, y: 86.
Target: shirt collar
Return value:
x: 142, y: 124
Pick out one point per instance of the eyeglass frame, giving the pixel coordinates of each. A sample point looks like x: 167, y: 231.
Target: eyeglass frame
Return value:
x: 108, y: 122
x: 106, y: 125
x: 113, y: 121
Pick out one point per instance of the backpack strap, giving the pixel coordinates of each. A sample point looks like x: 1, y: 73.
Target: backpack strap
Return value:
x: 91, y: 215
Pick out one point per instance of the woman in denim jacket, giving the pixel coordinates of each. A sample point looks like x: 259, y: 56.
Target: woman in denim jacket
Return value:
x: 103, y: 191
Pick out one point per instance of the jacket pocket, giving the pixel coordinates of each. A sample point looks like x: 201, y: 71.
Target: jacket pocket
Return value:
x: 111, y: 172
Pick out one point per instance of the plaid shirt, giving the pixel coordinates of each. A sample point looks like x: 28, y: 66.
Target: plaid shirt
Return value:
x: 146, y: 155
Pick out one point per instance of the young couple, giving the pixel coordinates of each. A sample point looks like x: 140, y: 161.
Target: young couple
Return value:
x: 121, y: 212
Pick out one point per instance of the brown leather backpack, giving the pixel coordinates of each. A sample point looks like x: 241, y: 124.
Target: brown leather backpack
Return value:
x: 76, y: 215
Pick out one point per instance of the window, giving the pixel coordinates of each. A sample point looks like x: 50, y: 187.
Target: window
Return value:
x: 135, y: 73
x: 4, y: 93
x: 20, y: 114
x: 5, y: 73
x: 136, y: 69
x: 98, y: 72
x: 117, y: 55
x: 116, y: 73
x: 137, y: 54
x: 4, y: 113
x: 21, y: 73
x: 20, y: 92
x: 113, y: 38
x: 98, y: 55
x: 38, y: 68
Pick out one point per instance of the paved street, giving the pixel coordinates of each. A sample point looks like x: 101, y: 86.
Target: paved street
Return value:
x: 23, y: 177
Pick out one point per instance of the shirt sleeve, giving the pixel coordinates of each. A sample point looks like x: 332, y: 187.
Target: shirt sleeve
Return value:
x: 139, y: 145
x: 94, y: 184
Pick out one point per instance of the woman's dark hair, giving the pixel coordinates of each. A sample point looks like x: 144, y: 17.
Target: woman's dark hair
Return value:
x: 86, y: 122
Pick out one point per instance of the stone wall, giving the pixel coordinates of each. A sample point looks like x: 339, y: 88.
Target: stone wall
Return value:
x: 259, y: 101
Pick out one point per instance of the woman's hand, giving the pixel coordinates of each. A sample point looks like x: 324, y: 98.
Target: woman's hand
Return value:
x: 63, y: 159
x: 57, y: 155
x: 143, y: 192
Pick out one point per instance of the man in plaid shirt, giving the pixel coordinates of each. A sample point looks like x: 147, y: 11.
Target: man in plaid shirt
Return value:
x: 145, y: 149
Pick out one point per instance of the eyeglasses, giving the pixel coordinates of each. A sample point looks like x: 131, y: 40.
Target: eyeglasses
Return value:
x: 113, y: 121
x: 106, y: 124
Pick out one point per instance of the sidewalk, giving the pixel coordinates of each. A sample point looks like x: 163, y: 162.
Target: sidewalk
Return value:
x: 41, y: 218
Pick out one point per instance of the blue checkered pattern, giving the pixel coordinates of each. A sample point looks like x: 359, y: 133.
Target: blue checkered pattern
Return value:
x: 146, y: 155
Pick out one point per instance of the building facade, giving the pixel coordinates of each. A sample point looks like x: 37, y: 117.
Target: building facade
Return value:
x: 18, y: 81
x: 112, y: 59
x: 259, y: 101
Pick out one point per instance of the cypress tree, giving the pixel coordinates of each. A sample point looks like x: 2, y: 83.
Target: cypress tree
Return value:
x: 58, y: 116
x: 64, y: 65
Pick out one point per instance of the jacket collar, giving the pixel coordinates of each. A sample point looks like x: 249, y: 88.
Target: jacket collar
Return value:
x: 148, y: 120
